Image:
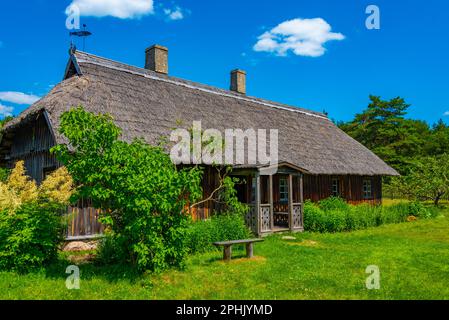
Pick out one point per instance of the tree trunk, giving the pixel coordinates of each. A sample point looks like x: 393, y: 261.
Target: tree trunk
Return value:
x: 437, y: 199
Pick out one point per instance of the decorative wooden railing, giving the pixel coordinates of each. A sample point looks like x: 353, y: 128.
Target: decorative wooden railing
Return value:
x: 280, y: 219
x: 280, y: 207
x: 251, y: 218
x: 297, y: 218
x: 265, y: 218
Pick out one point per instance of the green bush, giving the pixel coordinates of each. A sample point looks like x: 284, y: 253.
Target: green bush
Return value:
x: 333, y: 203
x: 29, y: 237
x: 111, y: 250
x: 314, y: 217
x: 200, y: 235
x: 334, y: 215
x: 395, y: 214
x: 419, y: 210
x: 335, y: 220
x: 141, y: 193
x: 362, y: 217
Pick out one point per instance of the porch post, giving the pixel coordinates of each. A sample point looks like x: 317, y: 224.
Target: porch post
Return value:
x: 270, y: 194
x: 257, y: 207
x: 301, y: 197
x: 290, y: 202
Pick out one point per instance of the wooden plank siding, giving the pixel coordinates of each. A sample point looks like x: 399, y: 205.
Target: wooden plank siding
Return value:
x: 32, y: 143
x: 318, y: 187
x: 209, y: 183
x: 83, y: 222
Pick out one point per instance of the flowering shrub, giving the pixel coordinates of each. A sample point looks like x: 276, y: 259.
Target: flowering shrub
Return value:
x: 19, y: 189
x: 30, y: 218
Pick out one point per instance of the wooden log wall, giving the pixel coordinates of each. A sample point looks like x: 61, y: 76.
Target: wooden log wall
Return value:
x: 83, y: 223
x: 317, y: 188
x: 209, y: 184
x: 32, y: 144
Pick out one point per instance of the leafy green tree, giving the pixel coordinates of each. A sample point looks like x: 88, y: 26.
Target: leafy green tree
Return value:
x: 428, y: 180
x: 141, y: 193
x: 2, y: 123
x: 439, y: 139
x: 383, y: 128
x: 5, y: 120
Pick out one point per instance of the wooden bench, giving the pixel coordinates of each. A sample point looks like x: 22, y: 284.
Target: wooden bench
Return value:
x: 227, y: 247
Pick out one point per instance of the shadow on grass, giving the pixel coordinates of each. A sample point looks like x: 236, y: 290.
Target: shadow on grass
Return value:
x: 113, y: 273
x: 238, y: 252
x: 93, y: 270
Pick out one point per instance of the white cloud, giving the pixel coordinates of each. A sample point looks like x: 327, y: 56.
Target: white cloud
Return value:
x: 6, y: 111
x: 18, y: 97
x: 446, y: 114
x: 174, y: 14
x: 303, y: 37
x: 122, y: 9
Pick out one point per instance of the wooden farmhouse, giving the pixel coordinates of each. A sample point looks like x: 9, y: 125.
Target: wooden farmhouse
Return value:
x: 316, y: 159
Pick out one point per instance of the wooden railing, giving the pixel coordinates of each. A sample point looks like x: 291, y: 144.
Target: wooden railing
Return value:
x: 297, y: 217
x: 265, y: 218
x: 280, y: 207
x: 251, y: 218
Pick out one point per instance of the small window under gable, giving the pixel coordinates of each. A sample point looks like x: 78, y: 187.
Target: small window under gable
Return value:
x: 71, y: 69
x: 367, y: 189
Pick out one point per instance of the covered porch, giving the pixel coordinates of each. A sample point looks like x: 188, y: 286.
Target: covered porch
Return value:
x: 275, y: 198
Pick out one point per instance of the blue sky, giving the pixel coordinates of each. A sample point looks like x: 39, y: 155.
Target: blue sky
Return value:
x: 335, y: 63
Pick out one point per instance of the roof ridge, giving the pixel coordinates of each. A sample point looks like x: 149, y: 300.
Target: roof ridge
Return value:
x: 197, y: 86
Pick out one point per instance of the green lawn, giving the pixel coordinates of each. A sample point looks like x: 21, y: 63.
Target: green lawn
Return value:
x: 413, y: 260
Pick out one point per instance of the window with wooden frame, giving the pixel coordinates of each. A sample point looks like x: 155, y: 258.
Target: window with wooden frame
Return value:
x: 336, y: 187
x: 283, y: 189
x: 367, y: 189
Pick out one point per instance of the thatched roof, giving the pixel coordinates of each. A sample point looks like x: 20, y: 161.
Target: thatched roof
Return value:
x: 149, y: 105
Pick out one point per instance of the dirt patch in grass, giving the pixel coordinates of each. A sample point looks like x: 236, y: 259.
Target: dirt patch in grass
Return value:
x: 305, y: 243
x: 168, y: 279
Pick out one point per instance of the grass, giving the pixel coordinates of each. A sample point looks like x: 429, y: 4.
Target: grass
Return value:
x: 412, y: 257
x: 390, y: 202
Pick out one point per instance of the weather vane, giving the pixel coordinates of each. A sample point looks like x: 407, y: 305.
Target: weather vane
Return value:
x: 82, y: 34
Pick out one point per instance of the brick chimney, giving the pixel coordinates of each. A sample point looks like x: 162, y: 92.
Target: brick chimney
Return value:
x: 156, y: 59
x: 238, y: 81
